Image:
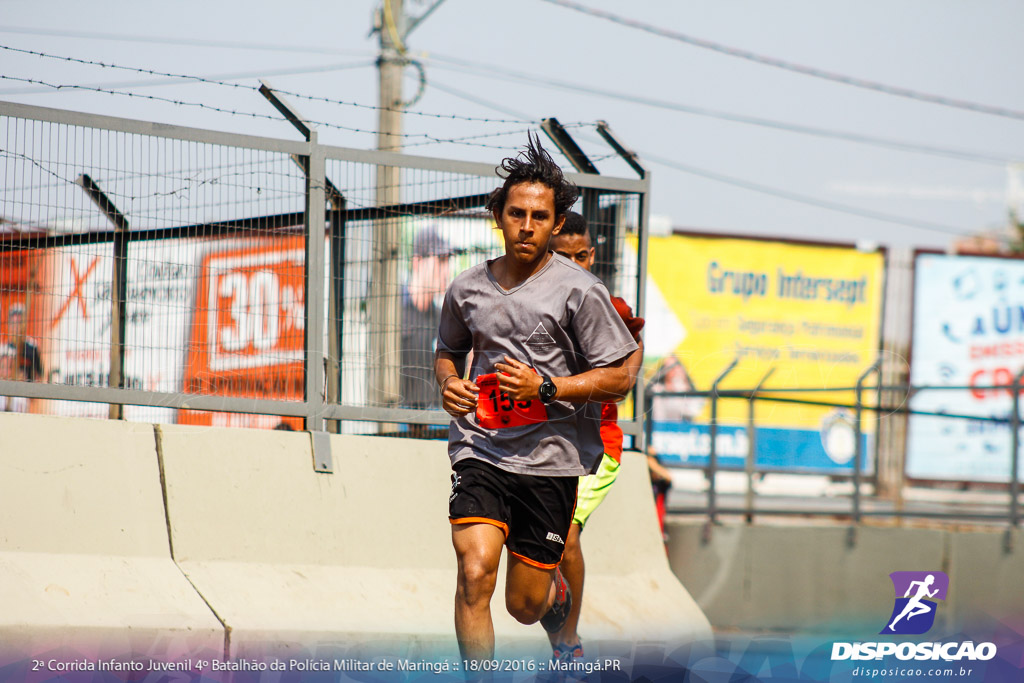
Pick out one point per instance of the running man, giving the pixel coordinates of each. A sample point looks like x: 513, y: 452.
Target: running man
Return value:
x: 574, y: 243
x: 914, y: 606
x: 548, y: 347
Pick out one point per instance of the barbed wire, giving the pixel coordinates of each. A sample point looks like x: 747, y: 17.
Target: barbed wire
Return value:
x: 116, y: 174
x: 204, y: 187
x: 111, y: 188
x: 162, y: 82
x: 429, y: 139
x: 461, y: 139
x: 213, y: 81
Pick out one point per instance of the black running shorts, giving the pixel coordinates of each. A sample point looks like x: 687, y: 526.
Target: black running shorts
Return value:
x: 534, y: 512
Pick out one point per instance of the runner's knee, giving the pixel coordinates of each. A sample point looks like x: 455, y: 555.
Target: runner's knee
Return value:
x: 526, y: 607
x: 476, y: 579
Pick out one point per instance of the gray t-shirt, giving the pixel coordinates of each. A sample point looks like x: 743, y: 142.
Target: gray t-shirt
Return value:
x: 561, y: 322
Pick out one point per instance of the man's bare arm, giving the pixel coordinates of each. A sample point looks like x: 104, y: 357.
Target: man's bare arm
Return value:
x: 458, y: 396
x: 634, y: 362
x: 609, y: 383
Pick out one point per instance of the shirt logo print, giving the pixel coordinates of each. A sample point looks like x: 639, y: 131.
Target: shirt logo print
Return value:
x: 540, y: 336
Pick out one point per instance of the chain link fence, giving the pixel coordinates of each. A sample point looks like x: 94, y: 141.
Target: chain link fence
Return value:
x: 167, y: 274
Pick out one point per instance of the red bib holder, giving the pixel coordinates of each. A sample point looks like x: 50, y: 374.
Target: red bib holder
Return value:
x: 496, y: 410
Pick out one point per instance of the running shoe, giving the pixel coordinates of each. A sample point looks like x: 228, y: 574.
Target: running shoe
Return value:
x: 556, y: 617
x: 564, y: 658
x: 566, y: 652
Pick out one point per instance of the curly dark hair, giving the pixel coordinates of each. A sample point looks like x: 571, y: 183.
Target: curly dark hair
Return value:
x: 534, y: 165
x: 575, y: 224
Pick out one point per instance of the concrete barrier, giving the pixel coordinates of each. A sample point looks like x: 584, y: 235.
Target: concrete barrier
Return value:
x: 630, y: 590
x: 798, y: 577
x: 123, y: 539
x: 84, y: 557
x: 988, y: 575
x: 288, y: 557
x: 301, y: 562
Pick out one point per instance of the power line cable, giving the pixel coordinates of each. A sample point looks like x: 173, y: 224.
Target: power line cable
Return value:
x: 190, y: 42
x: 489, y: 70
x: 776, y: 192
x: 783, y: 194
x: 430, y: 139
x: 794, y: 67
x: 801, y: 198
x: 497, y: 72
x: 475, y: 99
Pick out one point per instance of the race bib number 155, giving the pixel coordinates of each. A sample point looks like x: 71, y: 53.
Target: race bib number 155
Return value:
x: 496, y: 410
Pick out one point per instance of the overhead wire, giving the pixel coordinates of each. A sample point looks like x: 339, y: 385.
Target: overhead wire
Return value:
x: 773, y: 191
x: 497, y: 72
x: 791, y: 196
x: 801, y: 198
x: 190, y: 42
x: 794, y: 67
x: 520, y: 118
x: 490, y: 70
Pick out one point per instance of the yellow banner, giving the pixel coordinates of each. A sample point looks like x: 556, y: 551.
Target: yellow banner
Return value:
x: 809, y: 315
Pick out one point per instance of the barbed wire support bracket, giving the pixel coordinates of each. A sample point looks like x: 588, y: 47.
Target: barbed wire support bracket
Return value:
x: 628, y: 155
x: 119, y: 279
x: 336, y: 226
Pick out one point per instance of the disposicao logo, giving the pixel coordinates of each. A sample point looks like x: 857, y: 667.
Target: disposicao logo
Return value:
x: 914, y: 612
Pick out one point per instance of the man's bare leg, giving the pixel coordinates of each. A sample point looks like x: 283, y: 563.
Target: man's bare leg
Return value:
x: 478, y: 549
x: 529, y: 590
x: 573, y: 569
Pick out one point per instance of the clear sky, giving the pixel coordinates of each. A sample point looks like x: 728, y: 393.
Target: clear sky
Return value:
x: 531, y: 59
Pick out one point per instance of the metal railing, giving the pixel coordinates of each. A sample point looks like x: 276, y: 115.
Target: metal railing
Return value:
x: 854, y: 507
x: 197, y: 275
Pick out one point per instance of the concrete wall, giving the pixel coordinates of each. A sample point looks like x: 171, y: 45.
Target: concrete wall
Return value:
x: 801, y: 577
x: 84, y: 557
x: 133, y: 539
x: 293, y: 557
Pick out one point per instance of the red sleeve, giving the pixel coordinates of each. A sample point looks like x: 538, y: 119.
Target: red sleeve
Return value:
x: 633, y: 323
x: 611, y: 432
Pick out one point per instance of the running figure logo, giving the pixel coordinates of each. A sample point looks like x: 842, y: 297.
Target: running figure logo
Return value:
x: 456, y: 480
x: 914, y: 613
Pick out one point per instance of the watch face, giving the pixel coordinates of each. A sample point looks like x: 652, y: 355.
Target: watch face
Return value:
x: 547, y: 390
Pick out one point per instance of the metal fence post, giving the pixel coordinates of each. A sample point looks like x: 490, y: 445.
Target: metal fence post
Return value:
x: 316, y: 202
x: 1014, y: 463
x: 858, y: 449
x: 648, y: 422
x: 752, y: 445
x: 713, y: 454
x: 336, y: 271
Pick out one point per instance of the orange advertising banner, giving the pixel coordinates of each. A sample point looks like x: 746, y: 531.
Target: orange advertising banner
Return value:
x: 247, y: 332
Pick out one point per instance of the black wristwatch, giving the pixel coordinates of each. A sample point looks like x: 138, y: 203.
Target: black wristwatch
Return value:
x: 547, y: 391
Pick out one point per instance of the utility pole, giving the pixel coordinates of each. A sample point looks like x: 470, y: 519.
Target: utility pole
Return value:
x: 385, y: 311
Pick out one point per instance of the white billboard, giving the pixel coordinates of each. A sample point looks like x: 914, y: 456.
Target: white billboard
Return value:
x: 968, y: 332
